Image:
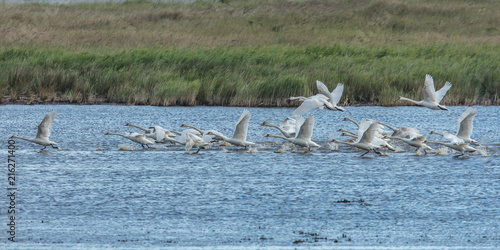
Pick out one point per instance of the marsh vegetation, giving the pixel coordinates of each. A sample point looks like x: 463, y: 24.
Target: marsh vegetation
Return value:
x: 248, y: 53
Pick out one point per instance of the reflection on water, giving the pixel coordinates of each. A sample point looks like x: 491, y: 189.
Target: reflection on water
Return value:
x: 91, y: 194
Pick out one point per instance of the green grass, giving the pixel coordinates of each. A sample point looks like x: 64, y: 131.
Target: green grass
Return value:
x: 249, y: 53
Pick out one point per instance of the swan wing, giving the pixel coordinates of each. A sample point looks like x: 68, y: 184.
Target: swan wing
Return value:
x: 429, y: 90
x: 314, y: 102
x: 465, y: 123
x: 323, y: 89
x: 440, y: 93
x: 189, y: 142
x: 306, y: 129
x: 44, y: 127
x: 288, y: 125
x: 412, y: 133
x: 337, y: 93
x: 241, y: 130
x: 370, y: 128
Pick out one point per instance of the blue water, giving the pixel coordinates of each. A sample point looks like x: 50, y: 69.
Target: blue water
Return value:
x: 228, y: 197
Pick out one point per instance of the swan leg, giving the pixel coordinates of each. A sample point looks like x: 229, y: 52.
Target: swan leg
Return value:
x: 366, y: 153
x: 198, y: 150
x: 54, y: 146
x: 377, y: 152
x: 43, y: 148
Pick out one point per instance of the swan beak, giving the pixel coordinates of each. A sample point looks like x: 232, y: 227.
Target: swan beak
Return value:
x: 266, y: 135
x: 262, y: 124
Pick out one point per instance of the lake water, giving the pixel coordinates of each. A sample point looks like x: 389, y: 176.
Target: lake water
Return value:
x: 228, y: 197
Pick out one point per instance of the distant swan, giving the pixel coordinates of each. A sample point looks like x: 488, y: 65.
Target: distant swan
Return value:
x: 431, y: 96
x: 403, y: 132
x: 367, y: 139
x: 418, y: 142
x: 195, y: 140
x: 240, y: 133
x: 464, y: 128
x: 303, y: 138
x: 43, y: 134
x: 155, y: 132
x: 135, y: 137
x: 461, y: 147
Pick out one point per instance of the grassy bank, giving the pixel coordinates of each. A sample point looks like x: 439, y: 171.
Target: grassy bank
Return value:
x: 247, y: 53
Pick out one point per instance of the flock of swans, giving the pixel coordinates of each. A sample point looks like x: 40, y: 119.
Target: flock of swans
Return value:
x: 371, y: 135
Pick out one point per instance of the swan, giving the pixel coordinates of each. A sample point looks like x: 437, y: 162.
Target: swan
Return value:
x: 318, y: 101
x: 367, y: 137
x: 462, y: 147
x: 204, y: 133
x: 403, y: 132
x: 195, y: 140
x: 334, y: 96
x: 240, y: 133
x: 431, y: 96
x: 303, y: 137
x: 380, y: 131
x: 287, y: 127
x: 155, y: 132
x: 418, y: 142
x: 43, y: 134
x: 464, y: 128
x: 135, y: 137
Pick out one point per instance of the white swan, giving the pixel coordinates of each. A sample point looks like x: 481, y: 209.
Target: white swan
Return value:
x: 303, y: 138
x: 240, y: 133
x: 318, y: 101
x: 195, y: 140
x: 135, y: 137
x: 418, y: 142
x: 464, y: 128
x: 204, y: 134
x: 403, y: 132
x: 334, y: 96
x: 155, y: 132
x: 43, y: 134
x: 287, y: 127
x: 431, y: 96
x: 461, y: 147
x: 380, y: 131
x: 367, y: 137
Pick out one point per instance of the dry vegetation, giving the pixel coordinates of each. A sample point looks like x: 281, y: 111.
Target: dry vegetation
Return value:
x: 249, y: 52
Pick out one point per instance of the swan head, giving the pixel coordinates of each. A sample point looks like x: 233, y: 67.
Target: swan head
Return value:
x: 265, y: 123
x: 128, y: 124
x: 108, y: 133
x: 343, y: 134
x: 267, y: 135
x: 183, y: 125
x: 333, y: 140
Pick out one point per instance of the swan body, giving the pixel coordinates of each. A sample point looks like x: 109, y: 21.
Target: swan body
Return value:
x: 287, y: 127
x: 403, y: 132
x: 318, y: 101
x: 418, y: 142
x: 303, y: 137
x: 154, y: 132
x: 135, y: 137
x: 43, y: 133
x: 462, y: 147
x: 465, y: 125
x: 431, y: 96
x: 240, y: 132
x: 367, y: 139
x: 195, y: 140
x: 204, y: 134
x: 334, y: 96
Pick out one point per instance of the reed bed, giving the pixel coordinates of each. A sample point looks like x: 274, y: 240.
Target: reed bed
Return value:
x: 248, y: 53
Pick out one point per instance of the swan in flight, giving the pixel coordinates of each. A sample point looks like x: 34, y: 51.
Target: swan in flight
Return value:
x: 287, y: 127
x: 155, y: 132
x: 334, y: 96
x: 303, y: 138
x: 240, y: 133
x: 367, y: 139
x: 318, y: 101
x: 403, y: 132
x: 204, y: 134
x: 464, y: 128
x: 380, y: 131
x: 418, y: 142
x: 195, y: 140
x: 461, y: 147
x: 135, y: 137
x: 43, y: 134
x: 431, y: 96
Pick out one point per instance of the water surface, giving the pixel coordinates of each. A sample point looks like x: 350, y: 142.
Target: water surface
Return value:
x: 227, y: 197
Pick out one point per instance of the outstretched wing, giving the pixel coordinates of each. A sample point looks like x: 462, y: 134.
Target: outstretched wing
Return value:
x: 429, y: 90
x: 241, y: 130
x: 440, y: 93
x: 337, y: 93
x: 306, y: 130
x: 314, y: 102
x: 323, y: 89
x: 465, y: 123
x: 44, y: 127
